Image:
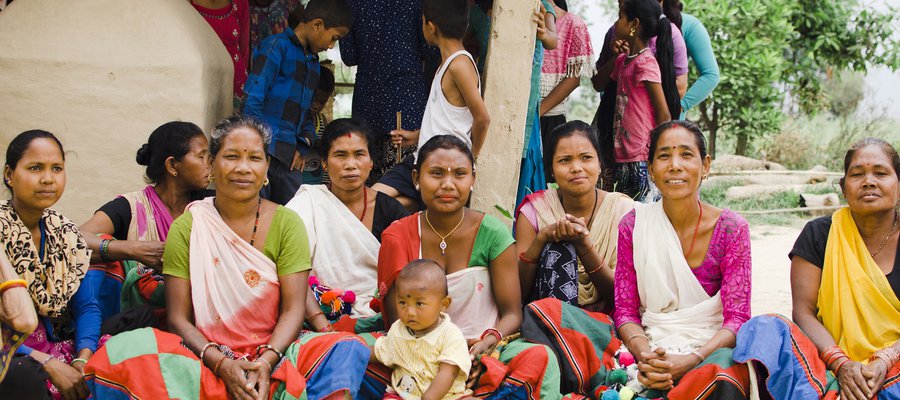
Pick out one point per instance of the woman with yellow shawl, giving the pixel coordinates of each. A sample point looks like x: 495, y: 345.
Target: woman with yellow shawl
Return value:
x: 845, y: 280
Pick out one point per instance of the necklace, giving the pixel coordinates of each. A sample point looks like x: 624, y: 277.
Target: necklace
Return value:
x: 207, y: 15
x: 886, y: 237
x: 696, y: 229
x: 593, y: 211
x: 633, y: 56
x: 444, y: 237
x: 256, y: 223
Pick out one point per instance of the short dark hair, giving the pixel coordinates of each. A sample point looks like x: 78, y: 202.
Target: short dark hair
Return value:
x: 446, y: 142
x: 341, y: 127
x: 563, y: 131
x: 333, y: 13
x: 691, y: 127
x: 451, y: 17
x: 427, y: 270
x: 19, y: 145
x: 326, y: 81
x: 226, y: 126
x: 172, y: 139
x: 882, y: 144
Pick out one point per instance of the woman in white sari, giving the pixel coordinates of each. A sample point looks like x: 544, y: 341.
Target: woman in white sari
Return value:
x: 682, y: 287
x: 344, y: 221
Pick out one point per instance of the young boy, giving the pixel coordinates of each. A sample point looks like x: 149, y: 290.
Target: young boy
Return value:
x: 283, y: 80
x: 427, y: 351
x: 454, y: 107
x: 313, y: 173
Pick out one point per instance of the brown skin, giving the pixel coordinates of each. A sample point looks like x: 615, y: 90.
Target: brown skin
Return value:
x: 445, y: 194
x: 576, y: 168
x: 677, y: 169
x: 348, y: 164
x: 16, y: 307
x: 38, y: 181
x: 871, y: 188
x: 239, y: 171
x: 182, y: 177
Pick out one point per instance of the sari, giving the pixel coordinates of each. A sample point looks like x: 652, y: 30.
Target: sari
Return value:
x: 235, y: 294
x: 677, y: 312
x: 865, y: 319
x: 521, y: 370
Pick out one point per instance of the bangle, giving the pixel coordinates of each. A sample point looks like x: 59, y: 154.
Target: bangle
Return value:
x: 12, y: 283
x: 46, y: 360
x: 104, y: 249
x: 81, y: 360
x: 492, y: 331
x: 526, y: 260
x: 636, y: 335
x: 596, y: 269
x: 265, y: 361
x: 218, y: 364
x: 311, y: 317
x: 261, y: 349
x: 697, y: 353
x: 841, y: 364
x: 327, y: 328
x: 888, y: 354
x: 207, y: 346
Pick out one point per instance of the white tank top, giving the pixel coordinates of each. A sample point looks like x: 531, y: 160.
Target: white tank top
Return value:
x: 443, y: 118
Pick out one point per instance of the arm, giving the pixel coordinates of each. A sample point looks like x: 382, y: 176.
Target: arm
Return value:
x: 628, y: 302
x: 16, y: 306
x: 442, y: 382
x: 681, y: 82
x: 680, y: 59
x: 604, y: 68
x: 507, y: 295
x: 658, y: 99
x: 465, y: 77
x: 546, y: 22
x: 530, y: 244
x: 147, y: 253
x: 266, y: 65
x: 558, y: 94
x: 314, y: 315
x: 86, y: 314
x: 701, y: 51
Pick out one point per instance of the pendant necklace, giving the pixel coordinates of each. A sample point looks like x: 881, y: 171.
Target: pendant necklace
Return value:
x: 444, y: 237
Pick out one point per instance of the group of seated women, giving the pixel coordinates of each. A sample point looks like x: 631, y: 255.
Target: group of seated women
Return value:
x: 175, y: 291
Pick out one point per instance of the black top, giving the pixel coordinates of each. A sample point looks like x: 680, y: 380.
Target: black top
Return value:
x: 119, y: 212
x: 810, y: 245
x: 387, y: 210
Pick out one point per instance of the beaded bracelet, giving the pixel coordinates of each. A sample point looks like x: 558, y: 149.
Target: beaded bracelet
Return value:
x: 207, y: 346
x: 526, y: 260
x: 267, y: 347
x: 12, y: 283
x: 492, y: 331
x: 104, y: 249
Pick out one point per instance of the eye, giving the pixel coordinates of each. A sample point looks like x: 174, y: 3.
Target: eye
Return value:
x: 587, y: 157
x: 563, y: 160
x: 57, y: 168
x: 687, y: 154
x: 662, y: 156
x: 256, y: 158
x: 402, y: 302
x: 437, y: 173
x: 231, y: 157
x: 420, y: 304
x: 461, y: 173
x: 35, y: 168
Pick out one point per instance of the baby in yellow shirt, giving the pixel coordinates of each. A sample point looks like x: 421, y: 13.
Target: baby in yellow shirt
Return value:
x: 427, y: 351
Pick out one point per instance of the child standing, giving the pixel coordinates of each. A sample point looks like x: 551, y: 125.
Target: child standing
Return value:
x: 454, y: 107
x: 646, y: 92
x: 427, y: 351
x: 313, y: 173
x: 281, y: 87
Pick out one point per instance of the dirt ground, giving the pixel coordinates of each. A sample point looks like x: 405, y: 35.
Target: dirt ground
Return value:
x: 770, y: 246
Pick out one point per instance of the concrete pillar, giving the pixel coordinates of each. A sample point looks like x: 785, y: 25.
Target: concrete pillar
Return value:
x: 101, y: 75
x: 506, y: 89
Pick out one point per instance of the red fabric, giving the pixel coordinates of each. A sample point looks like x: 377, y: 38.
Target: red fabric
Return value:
x: 399, y: 246
x: 233, y: 28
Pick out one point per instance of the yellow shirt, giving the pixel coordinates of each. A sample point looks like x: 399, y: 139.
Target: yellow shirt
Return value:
x: 416, y: 360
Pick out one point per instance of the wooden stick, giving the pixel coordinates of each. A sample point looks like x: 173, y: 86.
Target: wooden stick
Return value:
x: 399, y: 146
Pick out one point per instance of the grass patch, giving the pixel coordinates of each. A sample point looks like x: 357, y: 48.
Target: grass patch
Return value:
x: 715, y: 194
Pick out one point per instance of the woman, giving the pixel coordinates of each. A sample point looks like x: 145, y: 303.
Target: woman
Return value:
x: 17, y: 317
x: 235, y: 268
x: 845, y: 282
x: 476, y: 250
x: 566, y: 240
x: 682, y: 282
x: 48, y: 253
x: 230, y: 19
x: 135, y: 225
x: 344, y: 222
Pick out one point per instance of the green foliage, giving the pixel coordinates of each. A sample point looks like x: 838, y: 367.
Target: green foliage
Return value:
x: 714, y: 193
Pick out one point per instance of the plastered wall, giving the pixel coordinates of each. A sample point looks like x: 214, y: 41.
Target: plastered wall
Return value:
x: 101, y: 75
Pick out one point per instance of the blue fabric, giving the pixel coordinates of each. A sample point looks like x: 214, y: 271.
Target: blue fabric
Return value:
x: 699, y: 48
x: 343, y: 367
x: 86, y: 314
x: 531, y: 172
x: 767, y: 339
x: 280, y: 90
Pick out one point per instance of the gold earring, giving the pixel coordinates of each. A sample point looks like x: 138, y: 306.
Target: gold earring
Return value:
x: 266, y: 182
x: 210, y: 177
x: 631, y: 34
x: 175, y: 173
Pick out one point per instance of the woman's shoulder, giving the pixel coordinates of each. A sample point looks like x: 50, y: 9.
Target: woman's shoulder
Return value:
x: 390, y: 206
x: 184, y: 221
x: 490, y: 223
x: 732, y: 219
x: 397, y: 227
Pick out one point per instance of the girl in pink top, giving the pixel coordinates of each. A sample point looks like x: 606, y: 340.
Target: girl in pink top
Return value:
x: 230, y: 19
x: 646, y: 93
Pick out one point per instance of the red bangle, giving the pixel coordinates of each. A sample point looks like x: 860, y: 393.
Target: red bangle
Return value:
x: 526, y: 260
x: 218, y: 364
x: 11, y: 286
x: 840, y: 364
x: 492, y: 331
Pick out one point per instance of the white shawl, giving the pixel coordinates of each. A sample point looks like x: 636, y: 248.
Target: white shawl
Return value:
x: 678, y: 315
x: 344, y: 252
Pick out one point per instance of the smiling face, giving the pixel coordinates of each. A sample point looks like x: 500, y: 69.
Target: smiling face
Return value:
x: 239, y: 168
x: 445, y: 180
x: 576, y: 166
x: 39, y: 178
x: 678, y: 166
x: 348, y: 162
x: 870, y: 183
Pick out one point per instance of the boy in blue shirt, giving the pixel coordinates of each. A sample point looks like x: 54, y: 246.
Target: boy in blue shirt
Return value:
x: 283, y: 81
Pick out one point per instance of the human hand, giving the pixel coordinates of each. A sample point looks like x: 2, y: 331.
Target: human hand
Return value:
x: 403, y: 137
x: 297, y: 163
x: 538, y: 18
x: 571, y: 229
x: 853, y: 382
x: 875, y: 374
x: 148, y: 253
x: 259, y: 379
x: 620, y: 46
x: 69, y: 380
x: 234, y: 374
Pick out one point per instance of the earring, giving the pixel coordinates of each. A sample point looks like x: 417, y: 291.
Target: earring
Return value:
x: 417, y: 188
x: 472, y: 189
x: 175, y: 173
x: 631, y: 34
x: 210, y: 177
x: 266, y: 182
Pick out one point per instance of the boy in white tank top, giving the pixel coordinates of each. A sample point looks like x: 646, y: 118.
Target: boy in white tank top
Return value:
x: 454, y: 107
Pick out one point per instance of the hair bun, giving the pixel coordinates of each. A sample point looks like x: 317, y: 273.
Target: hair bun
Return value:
x: 143, y: 155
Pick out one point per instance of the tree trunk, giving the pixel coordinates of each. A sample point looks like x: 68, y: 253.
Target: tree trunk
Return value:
x: 741, y: 147
x: 711, y: 126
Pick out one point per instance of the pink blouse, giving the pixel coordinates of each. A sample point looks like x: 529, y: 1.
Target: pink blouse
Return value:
x: 726, y: 268
x: 232, y: 25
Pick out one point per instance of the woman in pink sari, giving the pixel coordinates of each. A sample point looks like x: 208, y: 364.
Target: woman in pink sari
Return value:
x: 236, y: 267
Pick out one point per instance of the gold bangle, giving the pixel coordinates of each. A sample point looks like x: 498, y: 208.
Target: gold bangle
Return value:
x: 12, y: 282
x: 627, y: 341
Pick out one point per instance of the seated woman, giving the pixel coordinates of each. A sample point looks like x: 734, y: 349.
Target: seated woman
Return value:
x: 566, y: 239
x: 845, y: 283
x: 47, y: 251
x: 476, y: 251
x: 134, y: 226
x: 236, y: 268
x: 344, y: 222
x: 17, y: 316
x: 683, y: 277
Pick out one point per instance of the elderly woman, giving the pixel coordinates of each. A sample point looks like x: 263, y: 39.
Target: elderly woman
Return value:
x: 682, y: 282
x: 51, y: 259
x: 845, y: 282
x: 236, y: 268
x: 344, y: 222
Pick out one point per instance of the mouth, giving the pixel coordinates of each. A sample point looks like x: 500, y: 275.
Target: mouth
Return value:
x: 350, y: 177
x: 675, y: 181
x: 46, y: 193
x: 447, y: 198
x: 242, y: 182
x: 870, y: 196
x: 578, y: 179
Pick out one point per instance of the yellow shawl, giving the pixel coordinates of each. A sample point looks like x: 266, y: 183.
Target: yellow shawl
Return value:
x: 856, y: 303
